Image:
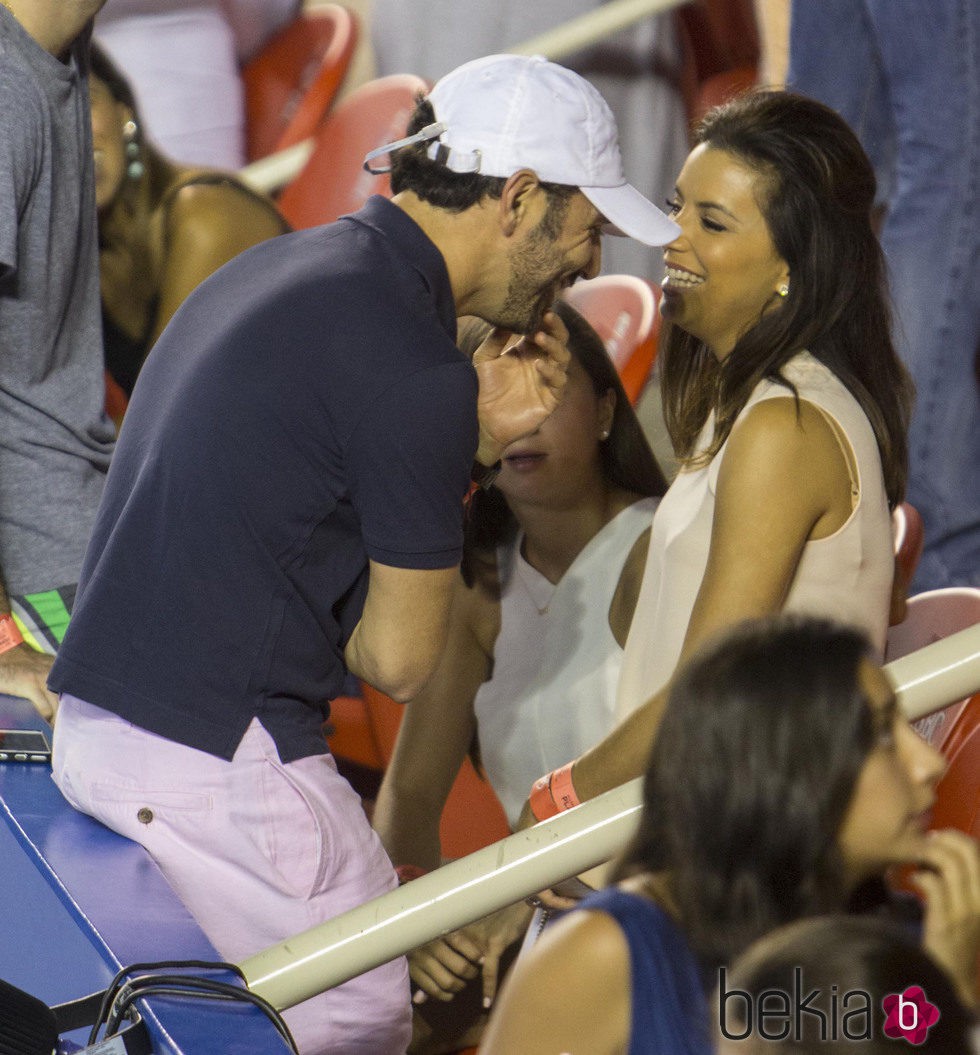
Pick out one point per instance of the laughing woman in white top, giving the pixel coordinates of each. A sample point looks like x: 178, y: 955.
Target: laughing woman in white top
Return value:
x: 785, y: 401
x: 552, y: 565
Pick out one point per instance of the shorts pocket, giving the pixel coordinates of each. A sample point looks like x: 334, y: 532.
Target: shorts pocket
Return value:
x: 295, y: 839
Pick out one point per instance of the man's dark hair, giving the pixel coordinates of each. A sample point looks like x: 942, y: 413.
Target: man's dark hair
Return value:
x: 413, y: 170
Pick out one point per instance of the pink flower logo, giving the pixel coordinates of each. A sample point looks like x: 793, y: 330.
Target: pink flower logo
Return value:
x: 909, y: 1015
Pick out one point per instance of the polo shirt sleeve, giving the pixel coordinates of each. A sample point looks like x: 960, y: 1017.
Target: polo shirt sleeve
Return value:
x: 408, y: 464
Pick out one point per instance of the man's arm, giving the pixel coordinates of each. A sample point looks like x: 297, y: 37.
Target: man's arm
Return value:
x: 402, y: 631
x: 23, y: 670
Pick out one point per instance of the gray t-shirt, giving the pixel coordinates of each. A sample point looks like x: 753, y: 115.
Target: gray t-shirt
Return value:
x: 55, y: 439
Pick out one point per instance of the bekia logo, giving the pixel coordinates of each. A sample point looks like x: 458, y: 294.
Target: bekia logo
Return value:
x: 909, y: 1015
x: 817, y: 1015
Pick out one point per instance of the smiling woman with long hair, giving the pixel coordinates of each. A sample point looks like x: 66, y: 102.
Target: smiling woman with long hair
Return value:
x: 784, y: 398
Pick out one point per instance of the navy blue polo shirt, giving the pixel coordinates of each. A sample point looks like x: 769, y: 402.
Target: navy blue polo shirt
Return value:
x: 306, y: 409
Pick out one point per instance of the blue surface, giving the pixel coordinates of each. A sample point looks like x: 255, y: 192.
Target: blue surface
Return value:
x: 80, y: 901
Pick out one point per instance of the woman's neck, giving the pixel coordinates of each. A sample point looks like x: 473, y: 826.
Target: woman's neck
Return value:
x: 553, y: 538
x: 655, y: 886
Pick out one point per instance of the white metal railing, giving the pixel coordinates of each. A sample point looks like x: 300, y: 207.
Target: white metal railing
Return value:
x: 272, y: 173
x: 532, y: 860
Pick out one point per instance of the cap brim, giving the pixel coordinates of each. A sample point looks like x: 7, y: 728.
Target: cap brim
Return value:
x: 630, y: 214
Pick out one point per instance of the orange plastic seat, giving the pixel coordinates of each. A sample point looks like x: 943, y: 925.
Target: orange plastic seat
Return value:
x: 930, y: 617
x: 908, y: 536
x: 957, y: 802
x: 721, y: 88
x: 623, y: 311
x: 116, y: 399
x: 472, y: 816
x: 333, y: 181
x: 291, y: 83
x: 350, y: 733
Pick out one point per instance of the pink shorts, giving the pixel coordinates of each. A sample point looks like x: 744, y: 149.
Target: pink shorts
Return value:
x: 257, y: 851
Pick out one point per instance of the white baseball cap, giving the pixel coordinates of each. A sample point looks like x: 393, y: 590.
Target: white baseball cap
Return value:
x: 501, y: 113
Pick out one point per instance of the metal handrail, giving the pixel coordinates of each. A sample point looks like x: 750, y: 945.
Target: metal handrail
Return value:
x: 532, y: 860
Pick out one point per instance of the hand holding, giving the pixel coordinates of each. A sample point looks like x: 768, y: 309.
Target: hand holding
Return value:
x: 521, y: 382
x: 442, y: 967
x: 496, y: 933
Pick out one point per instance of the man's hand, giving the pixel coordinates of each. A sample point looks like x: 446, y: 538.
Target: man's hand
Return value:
x: 442, y: 967
x: 521, y: 383
x: 24, y: 672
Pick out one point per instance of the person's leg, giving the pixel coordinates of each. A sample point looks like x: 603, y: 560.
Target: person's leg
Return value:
x: 833, y: 58
x: 930, y: 237
x: 257, y: 851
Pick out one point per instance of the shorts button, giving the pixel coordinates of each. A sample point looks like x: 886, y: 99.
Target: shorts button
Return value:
x: 144, y: 815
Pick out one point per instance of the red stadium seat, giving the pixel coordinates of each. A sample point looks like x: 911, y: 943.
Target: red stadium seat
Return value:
x: 362, y: 730
x: 472, y: 817
x: 958, y: 794
x: 291, y: 83
x: 908, y: 535
x: 333, y: 182
x: 623, y: 311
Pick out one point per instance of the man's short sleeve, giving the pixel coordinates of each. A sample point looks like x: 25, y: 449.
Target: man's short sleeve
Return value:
x: 20, y: 130
x: 408, y: 463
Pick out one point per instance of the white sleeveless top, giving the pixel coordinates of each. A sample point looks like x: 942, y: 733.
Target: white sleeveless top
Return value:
x: 556, y: 663
x: 847, y: 575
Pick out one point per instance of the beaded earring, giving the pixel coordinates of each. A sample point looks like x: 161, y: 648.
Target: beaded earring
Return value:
x: 134, y: 163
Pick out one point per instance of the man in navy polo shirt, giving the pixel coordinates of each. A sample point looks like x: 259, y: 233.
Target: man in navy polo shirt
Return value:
x: 285, y: 506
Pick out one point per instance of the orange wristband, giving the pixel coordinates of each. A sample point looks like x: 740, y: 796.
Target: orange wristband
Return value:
x: 543, y: 806
x: 562, y: 788
x: 406, y: 873
x: 10, y: 635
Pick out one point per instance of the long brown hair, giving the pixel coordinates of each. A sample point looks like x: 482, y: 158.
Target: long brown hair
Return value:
x: 817, y: 192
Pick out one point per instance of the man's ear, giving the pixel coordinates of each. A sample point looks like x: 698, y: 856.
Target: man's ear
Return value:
x: 517, y: 201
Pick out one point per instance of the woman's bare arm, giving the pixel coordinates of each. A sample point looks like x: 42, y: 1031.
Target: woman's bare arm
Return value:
x: 435, y: 735
x: 783, y: 480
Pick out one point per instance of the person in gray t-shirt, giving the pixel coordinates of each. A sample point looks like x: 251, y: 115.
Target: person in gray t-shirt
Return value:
x: 56, y: 440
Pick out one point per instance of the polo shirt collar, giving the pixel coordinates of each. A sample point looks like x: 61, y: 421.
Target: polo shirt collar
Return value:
x: 419, y: 251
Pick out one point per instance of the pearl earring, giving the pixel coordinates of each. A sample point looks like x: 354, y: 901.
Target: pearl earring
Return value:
x: 134, y: 164
x: 783, y: 290
x: 604, y: 435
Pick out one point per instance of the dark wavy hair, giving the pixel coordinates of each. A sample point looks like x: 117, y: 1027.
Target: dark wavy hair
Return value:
x: 625, y: 455
x: 764, y: 736
x: 852, y: 953
x: 817, y: 192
